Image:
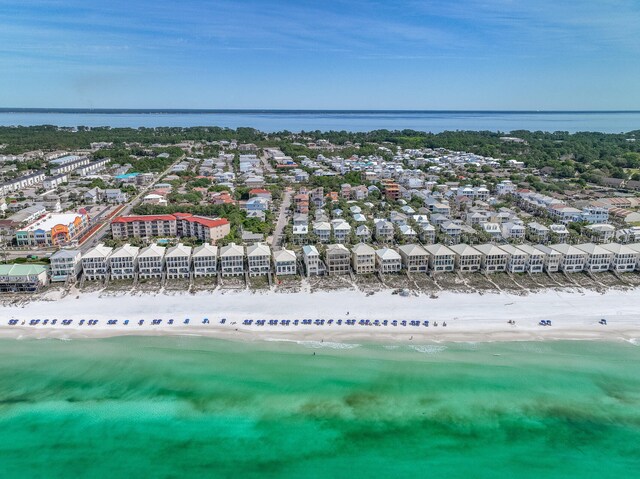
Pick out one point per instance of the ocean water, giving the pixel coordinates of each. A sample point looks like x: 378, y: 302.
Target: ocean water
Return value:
x: 293, y: 120
x: 196, y: 407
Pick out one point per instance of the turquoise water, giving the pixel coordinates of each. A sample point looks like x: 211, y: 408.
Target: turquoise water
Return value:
x: 195, y: 407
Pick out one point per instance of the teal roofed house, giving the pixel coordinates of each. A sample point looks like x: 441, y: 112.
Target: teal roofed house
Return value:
x: 22, y: 278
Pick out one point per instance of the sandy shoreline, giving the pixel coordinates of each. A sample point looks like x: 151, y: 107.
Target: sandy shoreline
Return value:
x: 469, y: 316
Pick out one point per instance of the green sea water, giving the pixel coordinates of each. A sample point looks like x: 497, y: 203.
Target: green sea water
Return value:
x: 195, y: 407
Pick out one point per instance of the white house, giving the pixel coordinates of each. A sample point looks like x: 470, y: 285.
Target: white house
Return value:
x: 441, y: 258
x: 178, y: 261
x: 311, y: 258
x: 598, y: 258
x: 624, y: 258
x: 65, y: 264
x: 123, y: 263
x: 468, y: 258
x: 415, y: 258
x: 363, y: 259
x: 535, y: 258
x: 151, y: 261
x: 572, y: 260
x: 494, y: 259
x: 338, y: 259
x: 284, y: 262
x: 322, y: 230
x: 95, y: 262
x: 517, y: 260
x: 232, y: 260
x: 258, y: 259
x: 205, y: 260
x: 551, y: 258
x: 388, y: 261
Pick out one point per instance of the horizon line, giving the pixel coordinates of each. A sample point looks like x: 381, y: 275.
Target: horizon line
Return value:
x: 284, y: 110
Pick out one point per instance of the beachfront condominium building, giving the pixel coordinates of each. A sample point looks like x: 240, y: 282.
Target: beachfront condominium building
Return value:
x: 178, y: 261
x: 258, y: 259
x: 65, y: 264
x: 388, y: 261
x: 338, y: 259
x: 598, y: 258
x: 312, y: 263
x: 535, y: 258
x: 572, y: 260
x: 232, y: 260
x: 284, y: 262
x: 467, y: 259
x: 517, y: 260
x: 123, y: 262
x: 442, y: 259
x: 95, y: 262
x: 53, y: 229
x: 22, y: 278
x: 551, y: 258
x: 493, y: 258
x: 182, y: 225
x: 205, y: 260
x: 363, y: 259
x: 414, y: 258
x: 151, y: 262
x: 624, y: 258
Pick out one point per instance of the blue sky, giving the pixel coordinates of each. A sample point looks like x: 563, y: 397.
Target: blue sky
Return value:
x: 330, y: 54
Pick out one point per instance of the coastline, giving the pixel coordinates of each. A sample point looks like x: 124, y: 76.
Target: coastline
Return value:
x: 469, y: 317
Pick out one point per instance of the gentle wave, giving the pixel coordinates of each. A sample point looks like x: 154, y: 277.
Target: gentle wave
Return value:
x: 316, y: 344
x: 428, y: 348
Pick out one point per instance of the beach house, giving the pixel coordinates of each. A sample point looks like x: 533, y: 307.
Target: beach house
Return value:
x: 341, y: 230
x: 551, y: 258
x: 284, y: 262
x: 363, y: 259
x: 598, y: 258
x: 232, y: 260
x: 95, y: 262
x: 123, y: 262
x: 384, y: 230
x: 467, y: 258
x: 388, y: 261
x: 513, y: 230
x: 535, y: 258
x: 558, y: 233
x: 258, y: 259
x: 517, y: 260
x: 537, y: 233
x: 494, y: 259
x: 151, y: 262
x: 415, y: 258
x: 600, y: 233
x: 65, y: 264
x: 636, y: 247
x: 22, y: 278
x: 624, y: 258
x: 205, y: 260
x: 441, y: 258
x: 312, y: 263
x: 572, y: 260
x: 363, y: 233
x: 322, y: 230
x: 178, y: 261
x: 338, y: 259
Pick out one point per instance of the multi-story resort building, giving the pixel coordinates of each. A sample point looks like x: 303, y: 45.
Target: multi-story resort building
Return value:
x: 66, y: 264
x: 53, y: 229
x: 468, y: 258
x: 338, y: 259
x: 363, y: 259
x: 178, y: 224
x: 123, y: 262
x: 151, y: 262
x: 388, y: 261
x: 95, y: 262
x: 258, y: 259
x: 284, y: 262
x: 178, y: 261
x: 232, y: 260
x: 205, y: 260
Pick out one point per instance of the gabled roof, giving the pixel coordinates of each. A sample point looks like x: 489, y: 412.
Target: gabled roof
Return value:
x: 205, y: 250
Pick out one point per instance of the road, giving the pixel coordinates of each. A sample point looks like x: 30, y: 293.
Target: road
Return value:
x: 283, y: 218
x: 99, y: 234
x: 266, y: 163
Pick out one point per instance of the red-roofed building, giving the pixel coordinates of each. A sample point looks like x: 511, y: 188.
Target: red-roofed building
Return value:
x: 175, y: 225
x: 260, y: 193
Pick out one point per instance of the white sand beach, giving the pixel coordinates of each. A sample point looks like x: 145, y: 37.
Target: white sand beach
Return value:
x: 468, y: 316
